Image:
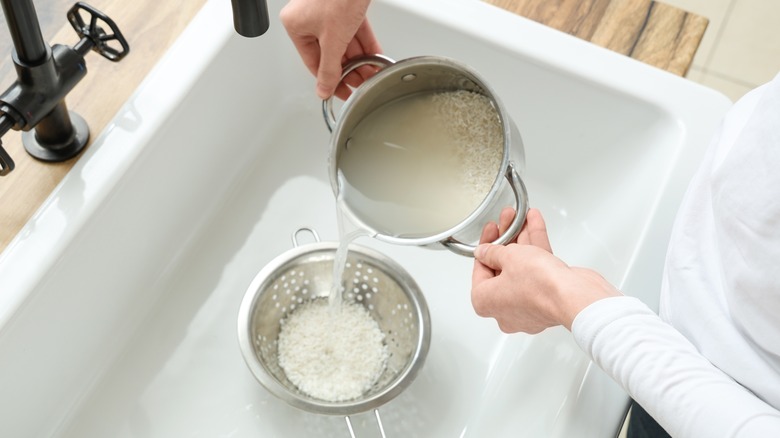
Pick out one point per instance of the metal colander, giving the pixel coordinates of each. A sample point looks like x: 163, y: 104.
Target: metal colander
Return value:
x: 371, y: 279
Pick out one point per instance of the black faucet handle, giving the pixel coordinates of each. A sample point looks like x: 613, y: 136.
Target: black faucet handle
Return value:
x: 6, y: 162
x: 6, y: 123
x: 93, y: 34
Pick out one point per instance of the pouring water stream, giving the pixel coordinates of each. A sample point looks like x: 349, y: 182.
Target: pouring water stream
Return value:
x: 348, y: 232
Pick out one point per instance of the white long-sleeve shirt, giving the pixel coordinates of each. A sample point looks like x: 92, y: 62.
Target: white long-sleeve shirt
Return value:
x: 709, y: 366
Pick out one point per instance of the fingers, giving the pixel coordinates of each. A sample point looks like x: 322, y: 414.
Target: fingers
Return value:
x: 357, y: 76
x: 489, y: 233
x: 295, y: 22
x: 490, y: 255
x: 363, y: 43
x: 481, y: 272
x: 536, y: 230
x: 327, y: 32
x: 329, y: 70
x: 505, y: 220
x: 368, y: 42
x: 333, y: 55
x: 309, y: 50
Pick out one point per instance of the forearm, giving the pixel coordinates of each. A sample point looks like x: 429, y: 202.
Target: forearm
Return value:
x: 664, y: 373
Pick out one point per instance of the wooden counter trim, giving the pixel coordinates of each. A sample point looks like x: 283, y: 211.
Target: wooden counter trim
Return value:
x: 652, y: 32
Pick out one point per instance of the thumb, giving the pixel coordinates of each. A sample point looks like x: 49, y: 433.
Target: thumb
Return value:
x: 490, y: 255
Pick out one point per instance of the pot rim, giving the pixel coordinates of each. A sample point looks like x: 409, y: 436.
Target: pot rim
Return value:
x: 506, y: 125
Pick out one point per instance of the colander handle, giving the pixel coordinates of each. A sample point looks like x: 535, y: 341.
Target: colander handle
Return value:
x: 302, y: 229
x: 378, y: 421
x: 521, y: 207
x: 380, y: 61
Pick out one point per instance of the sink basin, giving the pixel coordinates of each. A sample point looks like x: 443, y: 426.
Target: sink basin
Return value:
x: 120, y: 296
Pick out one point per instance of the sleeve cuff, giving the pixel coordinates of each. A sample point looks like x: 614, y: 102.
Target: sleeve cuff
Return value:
x: 598, y: 315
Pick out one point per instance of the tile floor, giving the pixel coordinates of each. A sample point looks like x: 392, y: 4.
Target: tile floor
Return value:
x: 740, y: 50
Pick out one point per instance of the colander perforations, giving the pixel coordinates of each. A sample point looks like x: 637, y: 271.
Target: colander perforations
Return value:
x: 391, y: 299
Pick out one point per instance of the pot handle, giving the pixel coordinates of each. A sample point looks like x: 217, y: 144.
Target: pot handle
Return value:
x: 380, y: 61
x: 521, y: 208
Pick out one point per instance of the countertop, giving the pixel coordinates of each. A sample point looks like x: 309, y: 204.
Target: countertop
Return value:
x: 649, y: 31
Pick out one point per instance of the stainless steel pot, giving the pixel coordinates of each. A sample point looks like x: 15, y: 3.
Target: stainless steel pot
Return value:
x: 426, y: 74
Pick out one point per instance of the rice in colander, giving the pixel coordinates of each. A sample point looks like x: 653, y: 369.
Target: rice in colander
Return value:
x: 333, y: 353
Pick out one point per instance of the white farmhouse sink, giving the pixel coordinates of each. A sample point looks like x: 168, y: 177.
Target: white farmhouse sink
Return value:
x: 120, y: 297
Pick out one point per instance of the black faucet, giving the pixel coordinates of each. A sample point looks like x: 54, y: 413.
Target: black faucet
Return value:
x: 35, y: 103
x: 250, y: 17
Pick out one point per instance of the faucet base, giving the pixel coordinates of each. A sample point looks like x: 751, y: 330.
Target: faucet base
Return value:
x: 58, y: 150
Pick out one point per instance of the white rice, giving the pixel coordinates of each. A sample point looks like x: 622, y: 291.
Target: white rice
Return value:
x: 333, y: 353
x: 478, y: 138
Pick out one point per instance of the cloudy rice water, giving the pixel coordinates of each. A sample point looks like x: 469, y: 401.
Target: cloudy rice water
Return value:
x: 420, y: 165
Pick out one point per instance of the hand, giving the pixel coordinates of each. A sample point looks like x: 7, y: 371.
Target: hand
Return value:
x: 326, y: 33
x: 524, y: 286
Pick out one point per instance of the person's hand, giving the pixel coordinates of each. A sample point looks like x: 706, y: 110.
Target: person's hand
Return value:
x: 524, y: 286
x: 326, y: 33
